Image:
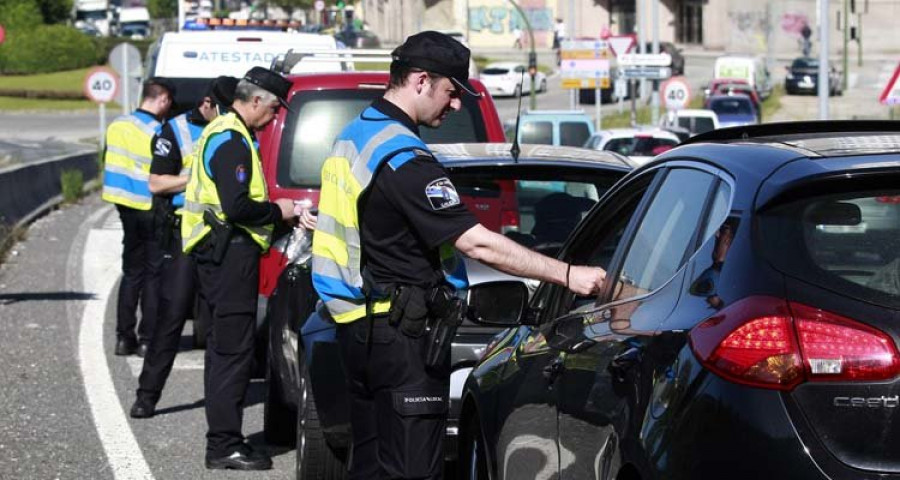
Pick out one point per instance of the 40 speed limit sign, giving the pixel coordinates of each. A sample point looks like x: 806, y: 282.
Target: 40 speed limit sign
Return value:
x: 676, y: 94
x: 101, y: 84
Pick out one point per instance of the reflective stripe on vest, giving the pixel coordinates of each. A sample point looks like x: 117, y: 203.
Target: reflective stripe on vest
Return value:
x: 201, y: 194
x: 186, y: 134
x: 366, y: 143
x: 126, y: 170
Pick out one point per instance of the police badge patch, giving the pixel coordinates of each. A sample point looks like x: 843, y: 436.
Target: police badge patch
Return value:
x: 162, y: 147
x: 240, y: 173
x: 442, y: 194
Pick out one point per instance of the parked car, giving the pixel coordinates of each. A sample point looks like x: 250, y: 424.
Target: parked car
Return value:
x: 734, y: 110
x: 552, y: 127
x: 714, y: 84
x: 735, y: 335
x: 536, y: 200
x: 735, y: 89
x: 803, y: 77
x: 752, y: 69
x: 638, y: 144
x: 695, y: 120
x: 508, y: 79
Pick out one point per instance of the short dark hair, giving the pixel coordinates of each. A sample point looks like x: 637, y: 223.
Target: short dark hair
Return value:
x: 156, y: 86
x: 400, y: 74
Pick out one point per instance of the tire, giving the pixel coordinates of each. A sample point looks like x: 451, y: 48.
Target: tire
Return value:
x: 279, y: 419
x: 316, y: 460
x: 472, y: 454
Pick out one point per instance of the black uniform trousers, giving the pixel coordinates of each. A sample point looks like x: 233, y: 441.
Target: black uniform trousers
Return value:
x: 399, y: 408
x: 177, y: 295
x: 231, y: 289
x: 141, y: 261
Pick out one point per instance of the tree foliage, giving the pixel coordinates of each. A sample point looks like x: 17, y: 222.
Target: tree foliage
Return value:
x: 46, y: 48
x: 55, y: 11
x: 19, y: 14
x: 162, y: 8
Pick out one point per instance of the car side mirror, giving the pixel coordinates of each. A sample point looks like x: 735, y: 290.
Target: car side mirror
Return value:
x: 497, y: 303
x: 567, y: 335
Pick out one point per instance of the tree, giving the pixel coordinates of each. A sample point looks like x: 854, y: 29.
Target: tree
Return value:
x: 162, y: 8
x: 19, y: 14
x: 55, y: 11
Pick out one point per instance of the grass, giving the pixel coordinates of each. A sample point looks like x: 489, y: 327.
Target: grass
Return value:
x: 31, y: 104
x: 772, y: 104
x: 68, y: 81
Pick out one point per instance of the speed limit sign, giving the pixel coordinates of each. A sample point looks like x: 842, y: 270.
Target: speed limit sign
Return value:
x: 676, y: 94
x: 101, y: 84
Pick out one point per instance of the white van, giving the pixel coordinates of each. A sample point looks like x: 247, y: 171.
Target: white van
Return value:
x: 750, y: 68
x: 190, y: 59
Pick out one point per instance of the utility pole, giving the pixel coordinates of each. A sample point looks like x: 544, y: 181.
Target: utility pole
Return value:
x: 846, y: 54
x: 823, y: 60
x: 654, y: 99
x: 532, y: 55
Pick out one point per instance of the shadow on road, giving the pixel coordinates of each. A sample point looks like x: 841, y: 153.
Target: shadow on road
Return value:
x: 9, y: 298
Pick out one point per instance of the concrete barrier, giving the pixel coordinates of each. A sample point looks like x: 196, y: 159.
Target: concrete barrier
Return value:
x: 31, y: 189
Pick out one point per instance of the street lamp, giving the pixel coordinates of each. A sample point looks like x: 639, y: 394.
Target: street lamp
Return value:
x: 532, y: 56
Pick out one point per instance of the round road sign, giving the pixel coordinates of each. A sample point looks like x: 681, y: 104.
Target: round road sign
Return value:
x: 676, y: 94
x: 101, y: 84
x: 2, y: 34
x: 320, y: 5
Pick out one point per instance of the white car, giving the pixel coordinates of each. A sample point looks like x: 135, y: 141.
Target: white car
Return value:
x: 507, y: 78
x: 639, y: 144
x: 694, y: 120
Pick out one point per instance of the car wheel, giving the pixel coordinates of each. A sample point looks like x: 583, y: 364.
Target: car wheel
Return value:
x: 472, y: 454
x: 543, y: 85
x: 279, y: 419
x: 315, y: 458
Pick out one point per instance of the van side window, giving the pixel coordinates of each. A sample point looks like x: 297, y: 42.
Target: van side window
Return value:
x: 573, y: 134
x: 538, y: 132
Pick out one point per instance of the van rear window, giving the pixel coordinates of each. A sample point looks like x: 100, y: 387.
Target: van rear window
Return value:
x: 321, y: 115
x: 846, y: 242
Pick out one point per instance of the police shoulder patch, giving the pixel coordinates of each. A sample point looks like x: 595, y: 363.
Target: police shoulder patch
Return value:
x: 442, y: 194
x: 240, y: 174
x: 162, y: 147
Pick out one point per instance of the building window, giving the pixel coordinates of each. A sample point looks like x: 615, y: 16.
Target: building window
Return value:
x: 689, y: 23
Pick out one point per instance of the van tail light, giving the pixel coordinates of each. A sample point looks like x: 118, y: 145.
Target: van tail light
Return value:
x: 509, y: 221
x: 772, y: 343
x: 891, y: 199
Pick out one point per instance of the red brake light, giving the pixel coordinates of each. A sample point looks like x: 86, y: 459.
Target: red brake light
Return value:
x: 509, y: 221
x: 770, y: 343
x: 893, y: 200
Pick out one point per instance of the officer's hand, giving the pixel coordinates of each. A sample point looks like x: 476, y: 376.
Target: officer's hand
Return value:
x: 305, y: 218
x: 287, y: 208
x: 585, y: 280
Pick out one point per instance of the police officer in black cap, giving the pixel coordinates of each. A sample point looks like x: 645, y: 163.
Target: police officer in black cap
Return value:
x: 173, y: 150
x: 226, y: 225
x: 388, y: 216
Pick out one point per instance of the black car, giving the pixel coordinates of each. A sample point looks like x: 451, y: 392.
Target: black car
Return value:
x: 535, y: 199
x: 674, y: 52
x: 803, y: 77
x: 747, y: 329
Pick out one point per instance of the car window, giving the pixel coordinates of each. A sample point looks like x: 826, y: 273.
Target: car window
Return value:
x: 651, y: 146
x: 320, y: 116
x: 620, y: 145
x: 735, y: 105
x: 661, y: 241
x: 495, y: 71
x: 537, y: 132
x: 696, y: 125
x: 573, y: 134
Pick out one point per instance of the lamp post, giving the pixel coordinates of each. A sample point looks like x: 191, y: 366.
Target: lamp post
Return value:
x: 532, y: 56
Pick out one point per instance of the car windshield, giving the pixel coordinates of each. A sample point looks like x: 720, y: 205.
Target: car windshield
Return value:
x: 805, y: 63
x: 696, y: 125
x: 644, y: 146
x: 321, y: 115
x: 847, y: 242
x: 535, y: 205
x: 731, y: 106
x: 495, y: 71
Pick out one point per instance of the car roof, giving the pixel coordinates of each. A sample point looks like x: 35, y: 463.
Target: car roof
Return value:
x: 631, y: 132
x: 721, y: 97
x: 694, y: 112
x: 457, y: 154
x: 503, y: 65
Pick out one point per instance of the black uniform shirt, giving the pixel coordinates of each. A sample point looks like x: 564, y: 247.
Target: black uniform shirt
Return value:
x: 407, y: 214
x: 230, y: 169
x: 166, y: 151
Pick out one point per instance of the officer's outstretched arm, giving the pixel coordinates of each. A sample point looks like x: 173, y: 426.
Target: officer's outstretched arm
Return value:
x: 160, y: 184
x: 508, y: 256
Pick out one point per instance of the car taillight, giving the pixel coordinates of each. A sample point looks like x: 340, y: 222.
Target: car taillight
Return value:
x: 509, y: 221
x: 892, y: 199
x: 771, y: 343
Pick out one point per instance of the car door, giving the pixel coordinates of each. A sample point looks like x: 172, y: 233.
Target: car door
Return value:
x: 526, y: 441
x: 602, y: 386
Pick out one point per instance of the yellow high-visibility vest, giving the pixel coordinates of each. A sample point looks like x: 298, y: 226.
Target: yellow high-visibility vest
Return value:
x: 126, y: 165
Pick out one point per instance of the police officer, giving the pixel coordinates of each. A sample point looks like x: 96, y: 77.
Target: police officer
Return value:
x: 125, y: 184
x: 388, y: 216
x: 226, y: 224
x: 169, y: 173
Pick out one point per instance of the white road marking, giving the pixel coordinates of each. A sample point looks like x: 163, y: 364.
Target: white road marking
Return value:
x: 100, y: 270
x: 183, y: 361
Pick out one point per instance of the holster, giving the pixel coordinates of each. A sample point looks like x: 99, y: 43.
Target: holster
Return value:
x: 220, y: 236
x: 445, y: 314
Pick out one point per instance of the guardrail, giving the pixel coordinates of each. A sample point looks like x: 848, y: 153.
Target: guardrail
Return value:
x: 31, y: 189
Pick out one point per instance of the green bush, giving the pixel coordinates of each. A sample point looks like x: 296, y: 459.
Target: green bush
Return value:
x: 72, y: 182
x: 20, y: 14
x: 46, y: 48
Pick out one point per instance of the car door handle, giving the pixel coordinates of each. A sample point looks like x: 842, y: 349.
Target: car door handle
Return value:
x: 622, y: 362
x: 553, y: 369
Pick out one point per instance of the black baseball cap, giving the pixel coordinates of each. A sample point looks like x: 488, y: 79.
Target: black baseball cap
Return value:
x: 270, y: 81
x: 437, y: 53
x: 221, y: 90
